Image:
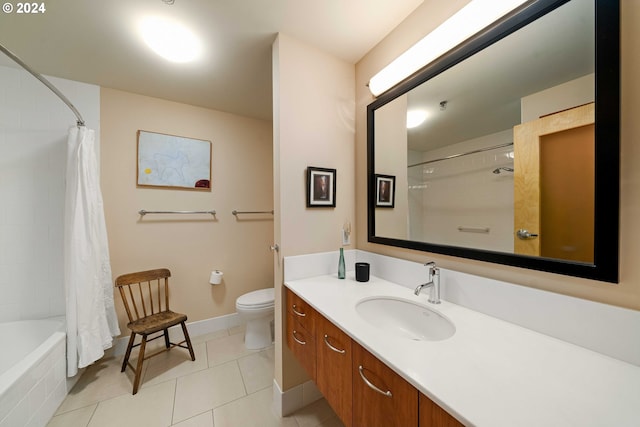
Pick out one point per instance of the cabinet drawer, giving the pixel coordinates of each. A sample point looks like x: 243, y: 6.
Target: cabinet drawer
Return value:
x: 302, y: 344
x: 301, y: 311
x: 381, y: 398
x: 333, y: 368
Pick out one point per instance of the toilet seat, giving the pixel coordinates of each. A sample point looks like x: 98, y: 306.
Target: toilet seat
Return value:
x: 262, y: 298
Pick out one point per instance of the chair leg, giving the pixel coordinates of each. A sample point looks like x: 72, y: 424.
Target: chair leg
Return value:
x: 188, y: 340
x: 128, y: 352
x: 166, y: 338
x: 136, y: 381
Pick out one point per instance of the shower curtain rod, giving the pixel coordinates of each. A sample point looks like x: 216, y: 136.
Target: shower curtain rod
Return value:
x: 47, y: 83
x: 453, y: 156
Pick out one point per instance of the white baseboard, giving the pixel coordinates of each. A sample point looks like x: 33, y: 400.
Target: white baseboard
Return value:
x: 199, y: 327
x: 288, y: 402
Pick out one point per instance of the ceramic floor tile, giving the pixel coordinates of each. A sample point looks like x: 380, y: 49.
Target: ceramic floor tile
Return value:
x: 257, y: 370
x: 314, y: 414
x: 271, y: 353
x: 152, y: 406
x: 173, y: 364
x: 224, y: 349
x: 78, y: 418
x: 202, y: 420
x: 334, y: 421
x: 188, y: 393
x: 101, y: 381
x: 204, y: 390
x: 150, y: 347
x: 207, y: 337
x: 254, y: 410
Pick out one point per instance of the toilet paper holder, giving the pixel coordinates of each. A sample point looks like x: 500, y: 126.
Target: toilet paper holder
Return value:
x: 216, y: 277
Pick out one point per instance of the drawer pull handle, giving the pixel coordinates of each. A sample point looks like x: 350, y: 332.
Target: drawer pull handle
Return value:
x: 371, y: 385
x: 297, y: 340
x: 296, y: 312
x: 337, y: 350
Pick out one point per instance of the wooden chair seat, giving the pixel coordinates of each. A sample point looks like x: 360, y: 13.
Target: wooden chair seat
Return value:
x: 156, y: 322
x: 145, y: 295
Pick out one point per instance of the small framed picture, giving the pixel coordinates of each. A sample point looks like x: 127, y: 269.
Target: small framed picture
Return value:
x: 385, y: 191
x: 321, y: 187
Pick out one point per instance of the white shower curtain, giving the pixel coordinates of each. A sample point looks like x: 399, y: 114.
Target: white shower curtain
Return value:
x: 91, y: 316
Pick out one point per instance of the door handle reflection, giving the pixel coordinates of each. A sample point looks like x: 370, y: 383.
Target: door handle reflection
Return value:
x: 525, y: 234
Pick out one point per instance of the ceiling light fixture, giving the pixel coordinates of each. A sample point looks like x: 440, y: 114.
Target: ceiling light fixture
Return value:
x: 472, y: 18
x: 415, y: 118
x: 170, y: 39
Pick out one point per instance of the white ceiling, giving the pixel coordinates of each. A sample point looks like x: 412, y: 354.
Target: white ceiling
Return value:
x: 483, y: 93
x: 95, y: 41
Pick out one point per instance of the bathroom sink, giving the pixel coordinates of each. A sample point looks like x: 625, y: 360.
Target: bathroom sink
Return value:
x: 405, y: 318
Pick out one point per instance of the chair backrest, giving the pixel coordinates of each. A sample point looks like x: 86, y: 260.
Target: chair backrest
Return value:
x: 144, y: 293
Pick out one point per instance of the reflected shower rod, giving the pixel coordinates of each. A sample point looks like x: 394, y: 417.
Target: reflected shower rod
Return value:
x: 453, y: 156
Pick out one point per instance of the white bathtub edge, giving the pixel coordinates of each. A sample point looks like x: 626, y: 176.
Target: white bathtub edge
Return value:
x: 35, y: 386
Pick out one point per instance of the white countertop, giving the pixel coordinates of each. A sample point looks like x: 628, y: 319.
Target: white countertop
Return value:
x: 490, y: 372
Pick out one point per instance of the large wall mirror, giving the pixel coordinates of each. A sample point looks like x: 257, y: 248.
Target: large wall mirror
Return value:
x: 513, y: 157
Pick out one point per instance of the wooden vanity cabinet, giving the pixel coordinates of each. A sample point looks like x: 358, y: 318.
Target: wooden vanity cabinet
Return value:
x: 301, y: 339
x: 432, y: 415
x: 348, y: 375
x: 333, y: 367
x: 381, y: 398
x: 302, y: 312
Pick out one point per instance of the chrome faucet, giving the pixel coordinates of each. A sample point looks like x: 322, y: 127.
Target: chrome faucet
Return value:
x: 433, y: 284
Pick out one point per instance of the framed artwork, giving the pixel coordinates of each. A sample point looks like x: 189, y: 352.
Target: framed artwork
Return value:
x: 321, y: 187
x: 174, y: 162
x: 385, y: 191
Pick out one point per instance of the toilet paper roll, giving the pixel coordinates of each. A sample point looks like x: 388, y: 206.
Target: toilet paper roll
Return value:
x: 216, y: 277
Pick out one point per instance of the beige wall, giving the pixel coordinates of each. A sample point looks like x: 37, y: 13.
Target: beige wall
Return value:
x: 391, y: 132
x: 191, y: 246
x: 562, y: 97
x: 627, y: 292
x: 313, y: 126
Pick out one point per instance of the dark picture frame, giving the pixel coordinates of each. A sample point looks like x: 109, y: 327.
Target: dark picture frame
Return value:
x: 321, y: 187
x: 385, y: 191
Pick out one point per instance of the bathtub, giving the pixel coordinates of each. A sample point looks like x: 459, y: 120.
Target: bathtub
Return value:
x: 32, y: 371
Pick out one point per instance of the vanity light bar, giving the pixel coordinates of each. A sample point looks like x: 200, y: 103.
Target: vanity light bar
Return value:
x: 468, y: 21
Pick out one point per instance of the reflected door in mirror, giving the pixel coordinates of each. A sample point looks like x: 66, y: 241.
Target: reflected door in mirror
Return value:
x: 554, y: 185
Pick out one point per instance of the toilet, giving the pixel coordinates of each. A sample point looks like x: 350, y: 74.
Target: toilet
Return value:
x: 256, y: 309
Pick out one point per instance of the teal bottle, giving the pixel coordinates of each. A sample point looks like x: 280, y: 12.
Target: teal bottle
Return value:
x: 341, y: 268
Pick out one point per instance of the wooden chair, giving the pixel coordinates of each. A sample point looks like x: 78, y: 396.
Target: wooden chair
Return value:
x: 143, y: 294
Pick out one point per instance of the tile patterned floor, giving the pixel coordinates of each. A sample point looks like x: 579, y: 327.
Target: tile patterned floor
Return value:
x: 226, y: 386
